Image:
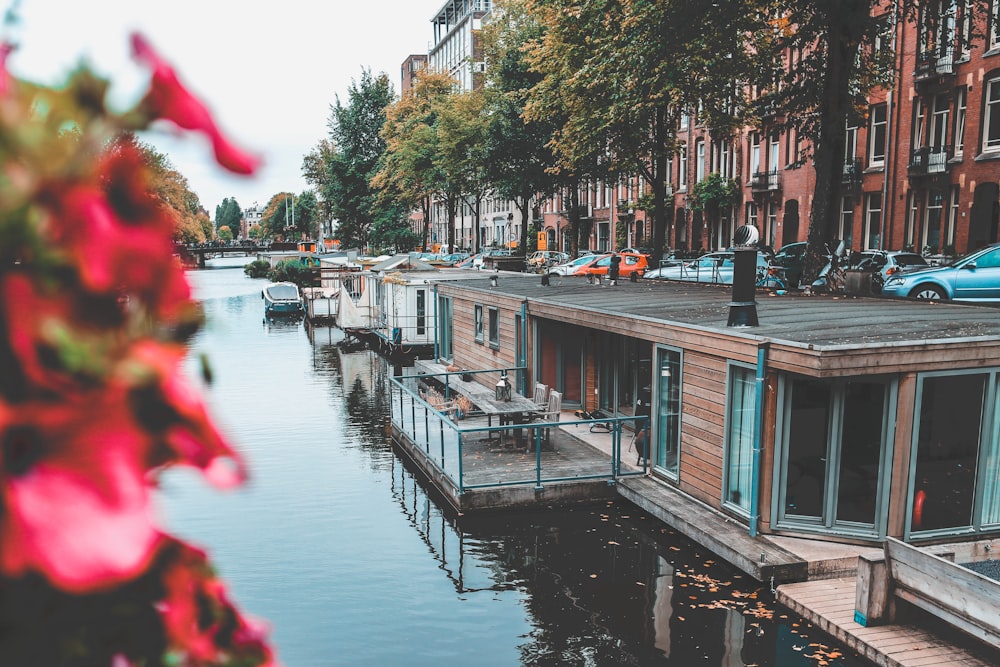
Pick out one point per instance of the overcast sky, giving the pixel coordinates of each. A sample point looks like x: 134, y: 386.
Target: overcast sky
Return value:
x: 269, y: 71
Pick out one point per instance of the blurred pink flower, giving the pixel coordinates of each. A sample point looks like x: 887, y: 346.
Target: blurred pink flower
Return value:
x: 171, y: 408
x: 76, y: 506
x: 169, y: 99
x: 200, y: 619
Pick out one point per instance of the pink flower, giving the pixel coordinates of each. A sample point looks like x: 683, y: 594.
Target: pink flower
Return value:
x: 118, y: 234
x: 172, y: 410
x: 5, y: 79
x: 201, y: 622
x: 76, y: 505
x: 169, y: 99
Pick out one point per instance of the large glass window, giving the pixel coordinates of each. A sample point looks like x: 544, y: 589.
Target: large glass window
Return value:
x: 833, y: 437
x: 960, y: 111
x: 991, y: 118
x: 878, y: 123
x: 444, y: 328
x: 740, y: 416
x: 873, y: 220
x: 948, y: 446
x: 668, y: 410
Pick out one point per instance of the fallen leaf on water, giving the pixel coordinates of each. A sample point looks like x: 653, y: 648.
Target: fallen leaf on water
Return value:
x: 613, y: 542
x: 593, y: 576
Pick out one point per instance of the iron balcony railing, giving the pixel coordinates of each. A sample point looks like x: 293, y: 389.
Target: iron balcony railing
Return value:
x: 765, y: 181
x: 930, y: 160
x: 934, y: 64
x: 852, y: 173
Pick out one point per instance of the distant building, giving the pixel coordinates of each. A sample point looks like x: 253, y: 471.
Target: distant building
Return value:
x: 410, y: 71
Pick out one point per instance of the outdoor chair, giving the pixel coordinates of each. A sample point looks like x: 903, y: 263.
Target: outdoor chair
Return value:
x: 541, y: 396
x: 552, y: 412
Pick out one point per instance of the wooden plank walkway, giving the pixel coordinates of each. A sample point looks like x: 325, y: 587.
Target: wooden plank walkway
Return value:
x: 829, y: 605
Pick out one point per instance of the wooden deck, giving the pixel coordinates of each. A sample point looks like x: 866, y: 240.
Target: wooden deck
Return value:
x: 829, y: 605
x: 502, y: 470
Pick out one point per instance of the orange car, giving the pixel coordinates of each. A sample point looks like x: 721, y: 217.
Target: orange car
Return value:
x: 630, y: 263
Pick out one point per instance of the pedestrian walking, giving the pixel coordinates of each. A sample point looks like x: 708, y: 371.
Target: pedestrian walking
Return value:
x: 616, y: 260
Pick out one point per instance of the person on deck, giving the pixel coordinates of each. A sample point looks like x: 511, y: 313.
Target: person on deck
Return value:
x: 616, y: 260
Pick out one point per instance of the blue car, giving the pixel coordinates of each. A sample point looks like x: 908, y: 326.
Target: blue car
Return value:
x: 974, y: 277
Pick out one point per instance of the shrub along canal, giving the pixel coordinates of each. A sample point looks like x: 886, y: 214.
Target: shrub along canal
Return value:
x: 339, y: 546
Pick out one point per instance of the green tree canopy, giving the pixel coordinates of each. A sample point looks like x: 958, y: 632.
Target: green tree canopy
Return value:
x: 228, y: 214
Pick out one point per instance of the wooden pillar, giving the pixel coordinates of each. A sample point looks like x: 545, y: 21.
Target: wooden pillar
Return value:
x: 873, y: 595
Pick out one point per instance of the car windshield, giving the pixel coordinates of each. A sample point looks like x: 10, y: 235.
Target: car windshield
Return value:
x: 283, y: 292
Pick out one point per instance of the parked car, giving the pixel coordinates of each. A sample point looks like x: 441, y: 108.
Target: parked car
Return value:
x: 630, y: 263
x: 713, y: 267
x: 887, y: 262
x: 449, y: 259
x: 974, y: 277
x: 570, y: 268
x: 648, y: 252
x: 791, y: 257
x: 542, y: 259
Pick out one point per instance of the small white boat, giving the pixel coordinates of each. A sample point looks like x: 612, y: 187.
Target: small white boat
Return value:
x: 282, y: 299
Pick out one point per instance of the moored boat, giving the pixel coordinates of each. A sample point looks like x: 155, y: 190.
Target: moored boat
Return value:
x: 282, y: 299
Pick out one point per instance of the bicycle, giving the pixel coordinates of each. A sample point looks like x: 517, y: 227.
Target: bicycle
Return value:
x: 771, y: 278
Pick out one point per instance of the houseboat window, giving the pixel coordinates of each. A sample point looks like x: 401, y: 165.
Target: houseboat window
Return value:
x: 667, y: 408
x: 478, y: 323
x: 832, y: 443
x: 739, y: 437
x: 444, y: 328
x: 494, y: 328
x: 949, y: 440
x: 421, y: 312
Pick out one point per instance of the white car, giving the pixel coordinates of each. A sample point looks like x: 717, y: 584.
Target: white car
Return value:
x: 713, y: 267
x: 570, y: 267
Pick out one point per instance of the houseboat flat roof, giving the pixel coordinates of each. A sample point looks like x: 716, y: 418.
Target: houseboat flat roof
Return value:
x: 815, y: 322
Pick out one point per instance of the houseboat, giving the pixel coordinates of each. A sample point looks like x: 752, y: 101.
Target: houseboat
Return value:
x: 393, y: 302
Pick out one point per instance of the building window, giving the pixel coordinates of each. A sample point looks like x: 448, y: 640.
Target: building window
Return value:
x: 478, y: 323
x: 846, y: 231
x: 919, y: 115
x: 773, y: 153
x: 754, y: 154
x: 682, y: 159
x: 995, y: 25
x: 873, y: 220
x: 444, y: 327
x: 421, y: 312
x: 955, y: 455
x: 752, y: 214
x: 910, y: 234
x: 740, y: 419
x: 991, y: 119
x: 831, y: 470
x: 949, y: 232
x: 959, y: 131
x: 877, y: 136
x: 494, y: 325
x: 939, y: 122
x: 668, y: 410
x: 932, y: 222
x: 699, y: 166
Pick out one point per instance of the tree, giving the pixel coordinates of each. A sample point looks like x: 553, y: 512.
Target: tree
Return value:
x: 624, y: 73
x: 838, y: 62
x: 410, y: 170
x: 351, y: 158
x: 461, y: 157
x: 518, y: 149
x: 276, y: 220
x: 228, y: 214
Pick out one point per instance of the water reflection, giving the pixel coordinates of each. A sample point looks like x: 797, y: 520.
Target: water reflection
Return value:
x: 356, y: 562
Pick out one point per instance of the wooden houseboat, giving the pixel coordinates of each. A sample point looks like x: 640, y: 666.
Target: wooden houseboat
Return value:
x: 844, y: 419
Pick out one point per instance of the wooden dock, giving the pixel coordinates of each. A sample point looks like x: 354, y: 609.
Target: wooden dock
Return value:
x: 829, y: 605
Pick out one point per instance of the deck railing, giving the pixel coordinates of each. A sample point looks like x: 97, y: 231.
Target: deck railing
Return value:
x: 453, y: 448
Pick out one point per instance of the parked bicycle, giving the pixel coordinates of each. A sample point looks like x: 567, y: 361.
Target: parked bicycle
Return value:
x: 772, y: 277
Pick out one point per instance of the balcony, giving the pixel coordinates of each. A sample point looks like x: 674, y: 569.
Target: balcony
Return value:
x: 765, y: 181
x: 851, y: 179
x: 934, y: 67
x: 929, y: 161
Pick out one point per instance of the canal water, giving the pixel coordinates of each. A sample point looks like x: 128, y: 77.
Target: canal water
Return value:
x: 353, y: 562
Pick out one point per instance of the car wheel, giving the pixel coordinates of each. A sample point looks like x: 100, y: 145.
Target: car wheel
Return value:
x: 928, y: 293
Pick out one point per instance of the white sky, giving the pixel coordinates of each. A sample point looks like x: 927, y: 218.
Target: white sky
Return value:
x: 269, y: 71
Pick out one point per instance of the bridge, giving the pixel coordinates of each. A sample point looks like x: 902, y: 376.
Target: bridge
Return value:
x: 201, y: 252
